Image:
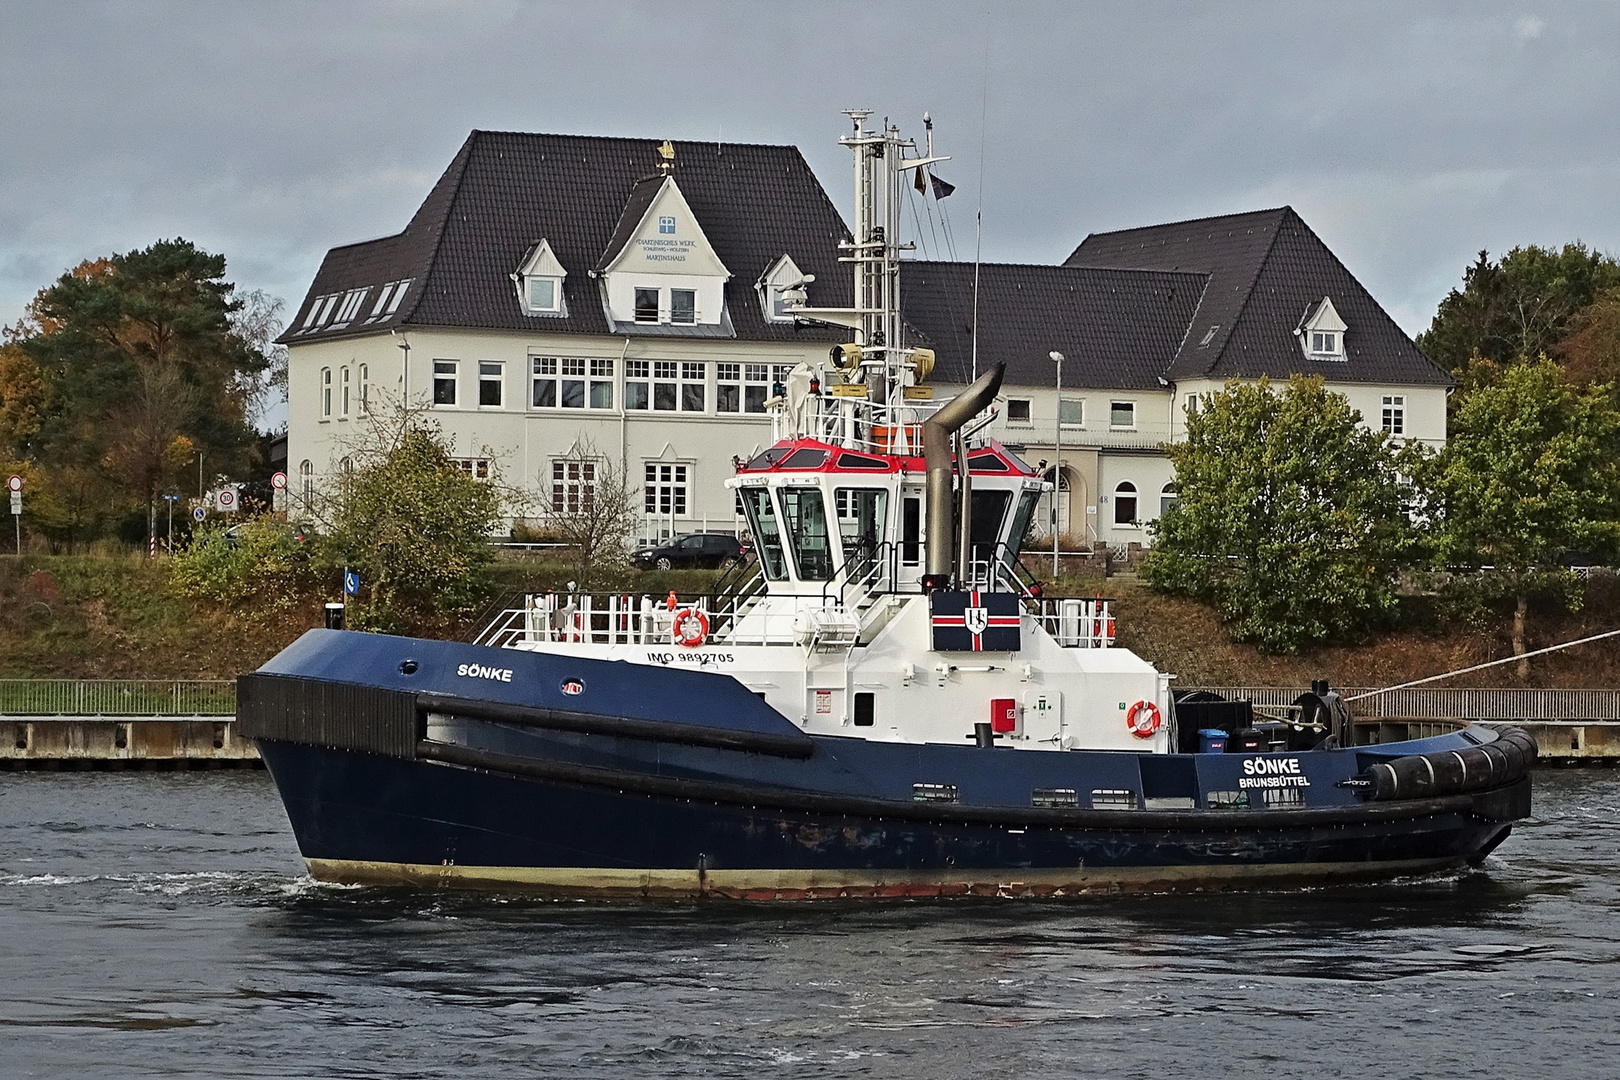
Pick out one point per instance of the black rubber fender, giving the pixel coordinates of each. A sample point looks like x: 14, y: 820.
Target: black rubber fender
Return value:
x: 1451, y: 772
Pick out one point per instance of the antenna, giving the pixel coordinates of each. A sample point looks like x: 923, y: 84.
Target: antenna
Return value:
x: 978, y: 213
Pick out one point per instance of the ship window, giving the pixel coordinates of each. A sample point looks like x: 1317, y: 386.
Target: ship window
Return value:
x: 1051, y: 798
x: 1288, y: 798
x: 862, y: 514
x: 865, y: 702
x: 987, y: 463
x: 989, y: 511
x: 767, y: 459
x: 806, y: 515
x: 861, y: 461
x: 1020, y: 527
x: 767, y: 530
x: 933, y: 792
x: 1113, y: 799
x: 1227, y: 800
x: 805, y: 458
x: 910, y: 531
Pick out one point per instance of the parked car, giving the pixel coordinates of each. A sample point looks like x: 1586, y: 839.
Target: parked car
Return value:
x: 708, y: 550
x: 300, y: 533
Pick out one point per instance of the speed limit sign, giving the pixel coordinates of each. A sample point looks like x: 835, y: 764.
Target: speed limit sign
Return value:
x: 15, y: 484
x: 225, y: 499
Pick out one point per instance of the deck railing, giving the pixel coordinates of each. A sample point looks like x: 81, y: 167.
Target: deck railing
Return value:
x: 117, y: 697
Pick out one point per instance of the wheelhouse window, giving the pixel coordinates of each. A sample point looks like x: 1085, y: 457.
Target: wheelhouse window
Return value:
x: 573, y: 486
x: 1018, y: 410
x: 664, y: 493
x: 444, y: 381
x: 491, y: 381
x: 1122, y: 414
x: 682, y: 306
x: 767, y: 530
x: 989, y: 511
x: 1395, y: 414
x: 862, y: 515
x: 805, y: 512
x: 646, y: 310
x: 1027, y: 504
x: 1125, y: 503
x: 326, y: 393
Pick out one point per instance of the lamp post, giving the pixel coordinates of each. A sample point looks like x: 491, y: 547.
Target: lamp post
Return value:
x: 405, y: 370
x: 1057, y: 454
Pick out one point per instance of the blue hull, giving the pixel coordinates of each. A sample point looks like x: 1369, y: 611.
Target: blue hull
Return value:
x: 708, y: 792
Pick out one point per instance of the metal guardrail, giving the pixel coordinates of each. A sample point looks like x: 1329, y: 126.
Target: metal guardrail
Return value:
x: 117, y: 697
x: 1451, y: 704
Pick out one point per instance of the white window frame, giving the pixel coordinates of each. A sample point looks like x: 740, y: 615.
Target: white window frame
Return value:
x: 693, y: 311
x: 343, y: 393
x: 665, y: 489
x: 573, y: 484
x: 635, y: 305
x: 1394, y: 414
x: 1167, y: 495
x: 1113, y: 425
x: 306, y: 482
x: 728, y: 374
x: 1326, y: 343
x: 492, y: 373
x: 1079, y: 406
x: 477, y: 468
x: 1128, y: 489
x: 365, y: 390
x: 326, y: 393
x: 450, y: 374
x: 556, y: 294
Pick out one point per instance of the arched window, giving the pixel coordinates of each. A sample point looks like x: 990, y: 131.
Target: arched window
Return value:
x: 306, y: 481
x: 365, y: 389
x: 1167, y: 495
x: 326, y: 393
x: 1125, y: 503
x: 345, y: 398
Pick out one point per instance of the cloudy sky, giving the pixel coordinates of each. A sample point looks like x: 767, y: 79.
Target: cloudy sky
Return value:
x: 1408, y: 135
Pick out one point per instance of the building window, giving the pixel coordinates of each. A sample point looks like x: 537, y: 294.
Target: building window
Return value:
x: 491, y: 381
x: 1125, y: 503
x: 757, y: 386
x: 646, y: 305
x: 306, y: 482
x: 636, y: 373
x: 1018, y: 410
x: 665, y: 492
x: 1167, y: 495
x: 326, y: 393
x: 477, y: 468
x: 679, y: 385
x: 1395, y: 414
x: 728, y: 387
x: 1122, y: 414
x: 543, y: 294
x: 573, y: 486
x: 365, y: 389
x: 1072, y: 412
x: 1327, y: 344
x: 444, y: 381
x: 683, y: 306
x: 1192, y: 404
x: 602, y: 384
x: 694, y: 389
x: 350, y: 308
x: 343, y: 392
x: 666, y: 391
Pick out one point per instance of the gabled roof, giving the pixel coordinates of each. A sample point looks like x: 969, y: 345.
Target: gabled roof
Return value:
x: 1265, y: 269
x: 1116, y: 329
x: 505, y: 191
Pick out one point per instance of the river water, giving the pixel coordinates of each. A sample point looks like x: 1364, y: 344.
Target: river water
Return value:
x: 161, y: 925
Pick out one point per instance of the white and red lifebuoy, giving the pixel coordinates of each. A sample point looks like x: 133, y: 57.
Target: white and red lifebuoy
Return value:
x: 690, y: 628
x: 1143, y: 719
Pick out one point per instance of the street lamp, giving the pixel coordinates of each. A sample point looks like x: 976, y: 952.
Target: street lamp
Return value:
x: 1057, y: 457
x: 405, y: 371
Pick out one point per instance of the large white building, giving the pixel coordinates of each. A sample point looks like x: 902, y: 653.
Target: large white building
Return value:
x: 560, y: 294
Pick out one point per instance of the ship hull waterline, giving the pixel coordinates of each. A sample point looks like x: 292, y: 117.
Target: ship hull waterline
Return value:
x: 363, y: 818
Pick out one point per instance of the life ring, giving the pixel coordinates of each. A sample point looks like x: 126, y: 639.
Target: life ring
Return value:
x: 690, y: 627
x: 1143, y: 719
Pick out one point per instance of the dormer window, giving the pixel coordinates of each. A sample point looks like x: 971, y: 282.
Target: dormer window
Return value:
x: 539, y: 282
x: 781, y: 288
x: 659, y: 273
x: 1321, y: 332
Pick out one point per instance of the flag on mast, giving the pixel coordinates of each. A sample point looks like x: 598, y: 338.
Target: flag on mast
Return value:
x: 941, y: 188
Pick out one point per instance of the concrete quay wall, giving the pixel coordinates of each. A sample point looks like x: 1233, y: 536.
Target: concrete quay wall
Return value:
x: 123, y: 742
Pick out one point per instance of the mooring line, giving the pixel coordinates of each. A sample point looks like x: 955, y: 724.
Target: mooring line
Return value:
x: 1481, y: 667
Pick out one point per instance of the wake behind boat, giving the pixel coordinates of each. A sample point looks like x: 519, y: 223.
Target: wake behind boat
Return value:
x: 884, y: 705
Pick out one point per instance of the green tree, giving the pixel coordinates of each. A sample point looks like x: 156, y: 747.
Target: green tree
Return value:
x: 1531, y: 473
x: 143, y: 369
x: 1522, y: 306
x: 415, y: 527
x: 1289, y: 517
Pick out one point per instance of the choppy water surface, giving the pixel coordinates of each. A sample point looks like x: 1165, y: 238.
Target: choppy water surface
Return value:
x: 162, y: 925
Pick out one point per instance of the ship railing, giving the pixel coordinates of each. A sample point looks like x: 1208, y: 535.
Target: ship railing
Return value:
x: 626, y: 619
x: 1074, y: 622
x: 858, y: 424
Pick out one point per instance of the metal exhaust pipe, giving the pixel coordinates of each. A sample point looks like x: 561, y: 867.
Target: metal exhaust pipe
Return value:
x: 936, y: 439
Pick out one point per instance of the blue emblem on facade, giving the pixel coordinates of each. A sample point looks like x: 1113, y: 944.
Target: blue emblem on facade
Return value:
x: 666, y: 225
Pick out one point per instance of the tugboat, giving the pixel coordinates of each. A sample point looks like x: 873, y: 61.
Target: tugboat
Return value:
x: 881, y: 704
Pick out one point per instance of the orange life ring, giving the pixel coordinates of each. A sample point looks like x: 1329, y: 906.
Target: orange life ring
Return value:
x: 1143, y: 719
x: 690, y: 627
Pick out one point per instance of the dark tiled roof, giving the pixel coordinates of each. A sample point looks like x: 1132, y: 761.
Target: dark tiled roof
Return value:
x: 505, y: 191
x: 1117, y: 329
x: 1266, y: 268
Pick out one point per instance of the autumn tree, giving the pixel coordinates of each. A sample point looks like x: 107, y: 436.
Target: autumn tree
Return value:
x: 1290, y: 517
x: 1530, y: 474
x: 591, y: 509
x: 142, y: 369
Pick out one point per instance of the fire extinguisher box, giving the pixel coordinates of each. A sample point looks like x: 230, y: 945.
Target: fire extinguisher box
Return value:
x: 1004, y: 715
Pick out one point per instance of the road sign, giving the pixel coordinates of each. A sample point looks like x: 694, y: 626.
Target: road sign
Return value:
x: 16, y: 504
x: 351, y: 583
x: 279, y: 481
x: 199, y: 513
x: 225, y: 499
x: 15, y: 484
